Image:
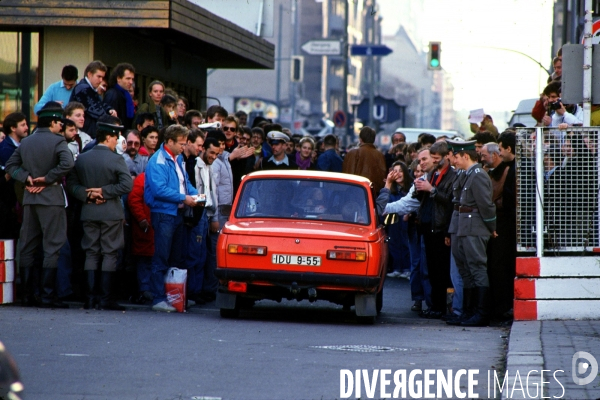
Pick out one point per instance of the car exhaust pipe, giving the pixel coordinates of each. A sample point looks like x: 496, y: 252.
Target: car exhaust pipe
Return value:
x: 294, y: 289
x: 312, y: 294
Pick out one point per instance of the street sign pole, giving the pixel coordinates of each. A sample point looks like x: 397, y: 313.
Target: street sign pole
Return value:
x: 587, y: 64
x: 349, y: 130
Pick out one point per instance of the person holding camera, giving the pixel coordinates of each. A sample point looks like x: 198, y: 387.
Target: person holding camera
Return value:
x: 560, y: 115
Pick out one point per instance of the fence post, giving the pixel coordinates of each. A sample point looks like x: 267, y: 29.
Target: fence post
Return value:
x: 539, y: 192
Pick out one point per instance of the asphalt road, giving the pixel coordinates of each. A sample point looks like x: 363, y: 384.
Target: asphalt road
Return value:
x: 275, y: 351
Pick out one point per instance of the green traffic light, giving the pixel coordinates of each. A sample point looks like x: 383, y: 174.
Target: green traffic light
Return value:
x: 434, y: 63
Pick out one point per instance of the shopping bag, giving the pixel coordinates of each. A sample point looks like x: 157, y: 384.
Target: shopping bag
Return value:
x: 175, y: 288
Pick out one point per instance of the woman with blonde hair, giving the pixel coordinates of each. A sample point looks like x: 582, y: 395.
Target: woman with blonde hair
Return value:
x: 304, y: 156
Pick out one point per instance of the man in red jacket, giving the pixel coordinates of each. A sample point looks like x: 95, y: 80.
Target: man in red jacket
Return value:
x: 143, y: 237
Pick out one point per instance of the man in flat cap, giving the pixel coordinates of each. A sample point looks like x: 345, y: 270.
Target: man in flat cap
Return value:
x: 99, y: 179
x: 476, y: 223
x: 279, y: 160
x: 41, y: 161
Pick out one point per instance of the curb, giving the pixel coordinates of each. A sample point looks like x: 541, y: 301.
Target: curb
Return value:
x: 524, y: 354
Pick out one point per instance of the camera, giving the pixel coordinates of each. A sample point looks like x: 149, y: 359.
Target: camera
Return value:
x: 556, y: 105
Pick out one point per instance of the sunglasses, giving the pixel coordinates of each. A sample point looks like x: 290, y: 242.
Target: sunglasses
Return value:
x: 276, y: 142
x: 132, y: 143
x: 229, y: 128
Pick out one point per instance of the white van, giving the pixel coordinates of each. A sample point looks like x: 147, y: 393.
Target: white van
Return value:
x: 384, y: 141
x: 523, y: 113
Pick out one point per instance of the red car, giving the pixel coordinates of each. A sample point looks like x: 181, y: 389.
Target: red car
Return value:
x: 302, y: 235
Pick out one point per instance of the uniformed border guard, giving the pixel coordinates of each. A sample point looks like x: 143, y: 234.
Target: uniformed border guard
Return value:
x: 99, y: 179
x: 41, y: 161
x: 476, y: 223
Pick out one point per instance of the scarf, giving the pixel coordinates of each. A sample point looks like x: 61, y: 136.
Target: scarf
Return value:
x: 440, y: 176
x: 128, y: 101
x: 302, y: 164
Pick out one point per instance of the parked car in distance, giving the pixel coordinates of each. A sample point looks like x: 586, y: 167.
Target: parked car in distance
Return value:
x: 303, y: 235
x: 384, y: 141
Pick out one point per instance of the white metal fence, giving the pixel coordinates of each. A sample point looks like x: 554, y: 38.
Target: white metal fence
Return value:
x: 557, y: 190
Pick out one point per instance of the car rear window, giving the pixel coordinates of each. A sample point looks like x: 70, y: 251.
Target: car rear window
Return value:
x: 305, y: 199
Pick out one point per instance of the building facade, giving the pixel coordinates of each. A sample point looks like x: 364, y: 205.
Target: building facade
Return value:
x: 175, y: 41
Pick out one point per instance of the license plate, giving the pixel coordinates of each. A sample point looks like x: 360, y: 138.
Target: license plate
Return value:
x: 288, y: 259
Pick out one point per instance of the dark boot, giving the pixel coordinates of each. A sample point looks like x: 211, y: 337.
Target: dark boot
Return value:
x: 467, y: 312
x: 28, y: 299
x: 49, y: 299
x: 90, y: 299
x: 106, y: 301
x: 482, y: 315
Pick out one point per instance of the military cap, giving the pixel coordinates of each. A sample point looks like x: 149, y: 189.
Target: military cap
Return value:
x: 276, y: 136
x: 116, y: 129
x: 51, y: 109
x: 210, y: 125
x: 461, y: 145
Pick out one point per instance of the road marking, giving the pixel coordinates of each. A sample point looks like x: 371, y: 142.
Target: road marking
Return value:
x: 74, y: 355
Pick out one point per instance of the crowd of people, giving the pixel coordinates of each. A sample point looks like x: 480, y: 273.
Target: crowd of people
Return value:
x: 106, y: 194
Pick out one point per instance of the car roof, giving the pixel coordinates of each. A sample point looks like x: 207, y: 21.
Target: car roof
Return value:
x: 299, y: 174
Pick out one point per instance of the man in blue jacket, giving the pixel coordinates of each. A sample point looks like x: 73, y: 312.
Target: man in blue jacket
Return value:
x: 167, y: 191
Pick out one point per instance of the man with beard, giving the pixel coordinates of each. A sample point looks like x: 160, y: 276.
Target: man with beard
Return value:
x: 502, y: 253
x: 15, y: 128
x: 136, y: 163
x: 435, y: 194
x: 206, y: 185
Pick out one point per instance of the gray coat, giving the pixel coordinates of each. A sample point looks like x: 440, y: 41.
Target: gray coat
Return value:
x: 43, y: 154
x: 477, y: 193
x: 457, y: 185
x: 100, y: 168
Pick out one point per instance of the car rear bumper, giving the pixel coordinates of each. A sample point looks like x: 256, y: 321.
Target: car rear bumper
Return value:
x: 302, y: 279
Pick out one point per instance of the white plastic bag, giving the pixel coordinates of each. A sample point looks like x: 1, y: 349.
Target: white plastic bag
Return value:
x: 175, y: 288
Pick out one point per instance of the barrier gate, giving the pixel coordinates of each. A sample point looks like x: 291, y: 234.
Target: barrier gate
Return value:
x: 558, y: 239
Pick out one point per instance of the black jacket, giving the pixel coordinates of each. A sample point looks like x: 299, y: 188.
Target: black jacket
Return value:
x: 117, y: 101
x: 442, y: 203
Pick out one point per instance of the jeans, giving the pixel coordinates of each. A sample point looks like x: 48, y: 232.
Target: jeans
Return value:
x: 414, y: 247
x: 425, y: 274
x: 168, y: 242
x: 144, y: 272
x: 63, y: 273
x: 211, y: 283
x: 195, y: 254
x: 398, y: 246
x: 457, y: 299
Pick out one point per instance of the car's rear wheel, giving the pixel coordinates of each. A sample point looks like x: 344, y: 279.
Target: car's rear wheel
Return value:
x: 379, y: 301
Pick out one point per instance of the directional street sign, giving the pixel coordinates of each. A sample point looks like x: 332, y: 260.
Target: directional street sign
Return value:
x: 323, y: 47
x: 369, y: 50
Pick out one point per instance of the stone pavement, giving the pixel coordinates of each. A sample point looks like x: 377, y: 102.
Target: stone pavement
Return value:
x: 550, y: 346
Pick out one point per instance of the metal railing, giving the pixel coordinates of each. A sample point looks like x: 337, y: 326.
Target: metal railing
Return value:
x: 557, y: 174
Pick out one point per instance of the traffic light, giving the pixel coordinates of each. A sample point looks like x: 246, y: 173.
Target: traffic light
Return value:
x: 297, y: 70
x: 435, y: 49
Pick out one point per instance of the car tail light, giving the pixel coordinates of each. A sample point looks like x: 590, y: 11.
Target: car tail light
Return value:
x: 346, y: 255
x: 237, y: 286
x: 248, y: 250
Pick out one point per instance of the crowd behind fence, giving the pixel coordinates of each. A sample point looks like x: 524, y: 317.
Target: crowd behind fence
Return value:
x: 557, y: 191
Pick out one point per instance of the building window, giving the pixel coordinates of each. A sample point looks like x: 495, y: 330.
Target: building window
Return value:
x: 11, y: 63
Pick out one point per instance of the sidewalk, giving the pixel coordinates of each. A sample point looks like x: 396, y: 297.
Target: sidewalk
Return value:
x: 550, y: 345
